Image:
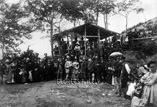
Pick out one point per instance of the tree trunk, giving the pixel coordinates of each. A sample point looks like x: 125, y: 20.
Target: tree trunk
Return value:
x: 59, y: 49
x: 97, y: 16
x: 68, y: 43
x: 106, y: 21
x: 74, y: 23
x: 51, y: 34
x: 144, y: 19
x: 59, y: 43
x: 97, y: 13
x: 126, y: 26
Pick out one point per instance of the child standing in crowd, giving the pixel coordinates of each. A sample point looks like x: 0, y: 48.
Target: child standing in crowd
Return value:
x: 96, y: 71
x: 68, y: 65
x: 8, y: 71
x: 83, y: 69
x: 75, y: 70
x: 60, y: 71
x: 90, y: 70
x: 23, y: 73
x: 110, y: 70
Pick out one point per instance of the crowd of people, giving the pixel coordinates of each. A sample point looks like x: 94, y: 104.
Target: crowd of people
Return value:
x: 72, y: 65
x: 27, y: 67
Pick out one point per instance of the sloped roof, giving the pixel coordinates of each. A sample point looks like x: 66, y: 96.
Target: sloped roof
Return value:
x: 91, y: 30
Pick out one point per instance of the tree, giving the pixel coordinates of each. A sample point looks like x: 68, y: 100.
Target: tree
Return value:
x: 74, y: 10
x: 14, y: 26
x: 125, y: 7
x: 106, y: 7
x: 70, y: 10
x: 45, y: 12
x: 90, y: 11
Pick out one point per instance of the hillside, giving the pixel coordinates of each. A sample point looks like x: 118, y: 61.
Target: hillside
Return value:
x: 148, y: 27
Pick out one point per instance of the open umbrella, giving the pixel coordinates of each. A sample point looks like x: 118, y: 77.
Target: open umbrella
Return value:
x: 116, y: 54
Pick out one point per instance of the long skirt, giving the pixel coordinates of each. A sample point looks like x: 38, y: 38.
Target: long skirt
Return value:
x: 153, y: 95
x: 141, y: 102
x: 30, y: 76
x: 113, y: 80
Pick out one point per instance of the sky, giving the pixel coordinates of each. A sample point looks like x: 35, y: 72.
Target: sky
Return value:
x: 116, y: 23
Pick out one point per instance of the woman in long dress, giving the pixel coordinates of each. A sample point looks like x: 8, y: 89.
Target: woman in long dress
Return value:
x: 152, y: 83
x: 149, y: 97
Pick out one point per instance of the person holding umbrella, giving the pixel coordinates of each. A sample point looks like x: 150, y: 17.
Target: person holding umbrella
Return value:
x: 117, y: 75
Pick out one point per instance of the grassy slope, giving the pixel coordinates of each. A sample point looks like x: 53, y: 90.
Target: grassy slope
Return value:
x: 49, y: 94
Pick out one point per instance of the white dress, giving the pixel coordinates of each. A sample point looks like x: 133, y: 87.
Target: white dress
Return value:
x: 149, y: 93
x: 153, y: 93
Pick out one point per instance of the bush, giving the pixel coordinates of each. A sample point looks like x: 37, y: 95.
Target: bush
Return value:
x: 149, y: 48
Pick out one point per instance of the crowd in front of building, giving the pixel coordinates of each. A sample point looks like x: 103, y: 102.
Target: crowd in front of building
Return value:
x: 71, y: 65
x: 77, y: 65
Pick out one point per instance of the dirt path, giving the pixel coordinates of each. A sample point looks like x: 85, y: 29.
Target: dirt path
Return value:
x: 49, y: 94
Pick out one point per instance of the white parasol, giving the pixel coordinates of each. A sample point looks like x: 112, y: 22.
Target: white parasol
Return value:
x: 116, y: 54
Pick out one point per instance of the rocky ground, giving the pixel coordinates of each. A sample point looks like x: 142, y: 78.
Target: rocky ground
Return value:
x: 50, y: 94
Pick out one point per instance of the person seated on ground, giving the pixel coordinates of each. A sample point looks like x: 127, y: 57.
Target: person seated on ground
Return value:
x: 141, y: 70
x: 149, y: 95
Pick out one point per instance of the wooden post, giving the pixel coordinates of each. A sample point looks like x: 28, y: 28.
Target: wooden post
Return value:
x: 98, y: 38
x: 85, y: 35
x: 68, y: 43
